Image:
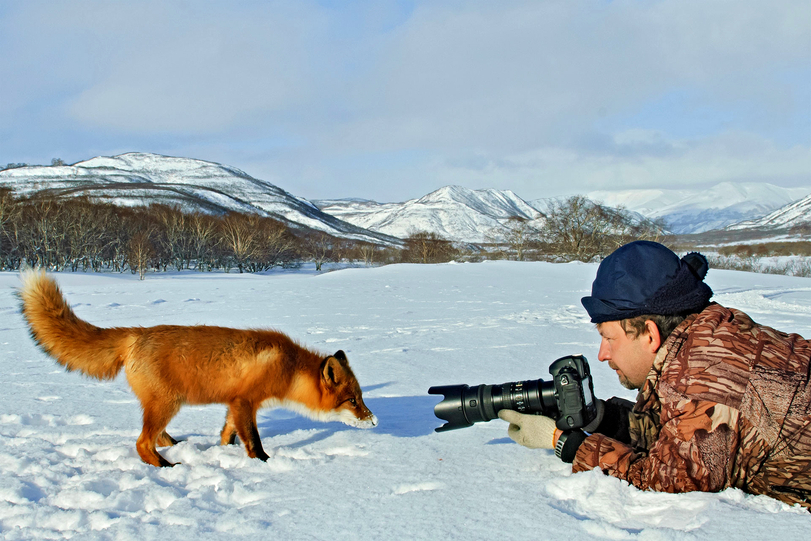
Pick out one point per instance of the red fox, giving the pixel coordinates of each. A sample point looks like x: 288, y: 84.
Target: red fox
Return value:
x: 168, y: 366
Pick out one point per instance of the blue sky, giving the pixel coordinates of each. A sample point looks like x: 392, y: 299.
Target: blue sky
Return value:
x: 389, y: 100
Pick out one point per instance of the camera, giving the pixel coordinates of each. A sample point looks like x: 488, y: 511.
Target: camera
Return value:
x: 568, y: 398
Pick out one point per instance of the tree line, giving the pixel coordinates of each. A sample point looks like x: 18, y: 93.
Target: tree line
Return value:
x: 79, y: 234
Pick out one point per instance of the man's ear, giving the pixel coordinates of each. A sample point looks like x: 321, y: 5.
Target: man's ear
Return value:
x: 652, y: 336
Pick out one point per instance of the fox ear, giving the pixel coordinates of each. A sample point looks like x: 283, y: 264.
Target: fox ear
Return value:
x: 340, y: 355
x: 331, y: 371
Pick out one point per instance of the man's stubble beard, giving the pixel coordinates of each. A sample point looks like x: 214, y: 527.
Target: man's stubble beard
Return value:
x: 625, y: 382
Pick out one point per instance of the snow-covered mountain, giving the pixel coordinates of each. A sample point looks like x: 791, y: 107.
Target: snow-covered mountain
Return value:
x: 797, y: 214
x: 453, y: 212
x: 137, y: 179
x: 698, y: 210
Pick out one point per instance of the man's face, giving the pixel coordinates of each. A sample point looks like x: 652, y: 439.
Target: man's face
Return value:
x: 631, y: 357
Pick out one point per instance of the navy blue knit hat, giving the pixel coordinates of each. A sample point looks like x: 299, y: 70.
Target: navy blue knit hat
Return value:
x: 646, y: 277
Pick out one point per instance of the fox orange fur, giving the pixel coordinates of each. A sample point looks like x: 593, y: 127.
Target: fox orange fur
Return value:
x: 168, y: 366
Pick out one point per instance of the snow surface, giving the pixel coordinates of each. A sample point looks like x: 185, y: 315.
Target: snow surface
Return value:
x: 69, y: 469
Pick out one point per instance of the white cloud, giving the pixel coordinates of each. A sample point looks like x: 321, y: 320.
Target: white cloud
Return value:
x: 520, y: 75
x: 731, y: 157
x: 543, y: 95
x: 178, y: 70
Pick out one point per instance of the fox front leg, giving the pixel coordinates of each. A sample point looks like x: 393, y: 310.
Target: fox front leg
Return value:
x: 243, y: 416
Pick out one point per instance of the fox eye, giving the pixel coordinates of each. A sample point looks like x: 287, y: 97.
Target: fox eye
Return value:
x: 353, y: 401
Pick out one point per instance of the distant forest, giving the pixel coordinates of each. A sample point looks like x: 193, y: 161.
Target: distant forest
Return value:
x: 79, y: 234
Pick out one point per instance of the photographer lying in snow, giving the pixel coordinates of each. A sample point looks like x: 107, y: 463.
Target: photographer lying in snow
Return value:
x: 723, y: 402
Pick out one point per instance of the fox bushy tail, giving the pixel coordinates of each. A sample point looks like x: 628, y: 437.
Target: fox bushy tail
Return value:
x: 73, y: 342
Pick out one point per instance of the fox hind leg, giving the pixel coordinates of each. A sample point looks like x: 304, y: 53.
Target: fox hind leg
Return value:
x: 165, y: 440
x: 157, y: 415
x: 228, y: 436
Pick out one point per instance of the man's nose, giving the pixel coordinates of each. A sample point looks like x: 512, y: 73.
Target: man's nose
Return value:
x: 604, y: 354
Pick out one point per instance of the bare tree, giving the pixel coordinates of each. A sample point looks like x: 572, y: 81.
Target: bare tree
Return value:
x: 88, y: 232
x: 319, y: 248
x: 519, y: 235
x: 425, y: 247
x: 175, y: 228
x: 367, y: 252
x: 275, y: 243
x: 9, y: 216
x: 122, y: 224
x: 238, y: 234
x: 141, y: 251
x: 44, y: 226
x: 203, y: 232
x: 578, y: 228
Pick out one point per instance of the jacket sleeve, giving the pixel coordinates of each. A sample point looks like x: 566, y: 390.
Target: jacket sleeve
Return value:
x: 616, y: 419
x: 693, y: 451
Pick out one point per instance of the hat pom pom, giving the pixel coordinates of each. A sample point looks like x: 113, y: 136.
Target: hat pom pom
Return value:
x: 698, y: 263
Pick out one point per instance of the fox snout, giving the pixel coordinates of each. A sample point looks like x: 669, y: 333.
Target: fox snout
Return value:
x: 368, y: 421
x: 360, y: 416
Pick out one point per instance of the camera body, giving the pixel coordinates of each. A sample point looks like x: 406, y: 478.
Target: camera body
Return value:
x: 568, y: 398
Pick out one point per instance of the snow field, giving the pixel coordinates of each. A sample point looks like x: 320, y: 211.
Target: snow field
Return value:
x: 69, y: 469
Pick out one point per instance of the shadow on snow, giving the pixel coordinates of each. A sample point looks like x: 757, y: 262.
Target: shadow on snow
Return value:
x: 400, y: 416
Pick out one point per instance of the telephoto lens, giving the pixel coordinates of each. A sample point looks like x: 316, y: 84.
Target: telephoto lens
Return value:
x: 566, y: 398
x: 464, y: 405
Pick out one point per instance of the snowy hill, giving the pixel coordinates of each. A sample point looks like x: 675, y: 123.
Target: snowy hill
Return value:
x: 796, y: 214
x: 137, y: 179
x: 696, y: 211
x: 452, y: 212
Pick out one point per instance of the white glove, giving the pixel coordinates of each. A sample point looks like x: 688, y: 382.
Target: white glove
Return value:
x: 533, y: 431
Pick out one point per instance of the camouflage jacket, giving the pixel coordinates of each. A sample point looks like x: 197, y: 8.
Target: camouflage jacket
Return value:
x: 726, y: 404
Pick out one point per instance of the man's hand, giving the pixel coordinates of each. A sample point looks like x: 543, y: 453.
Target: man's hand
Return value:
x: 533, y: 431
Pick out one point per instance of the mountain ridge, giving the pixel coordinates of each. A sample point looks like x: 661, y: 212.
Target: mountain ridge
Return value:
x: 136, y: 178
x: 796, y: 214
x: 453, y: 212
x: 688, y: 210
